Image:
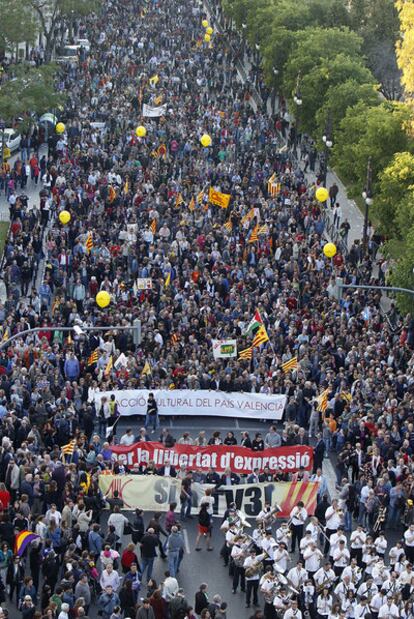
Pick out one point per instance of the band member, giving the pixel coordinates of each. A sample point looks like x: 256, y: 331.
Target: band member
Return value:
x: 395, y: 554
x: 267, y: 545
x: 380, y: 572
x: 228, y: 543
x: 341, y: 558
x: 367, y: 590
x: 252, y: 567
x: 357, y: 540
x: 349, y: 604
x: 389, y: 610
x: 305, y: 542
x: 342, y: 588
x: 353, y: 571
x: 333, y: 518
x: 298, y: 516
x: 324, y: 603
x: 381, y: 545
x: 283, y: 534
x: 377, y: 601
x: 280, y: 602
x: 281, y: 558
x: 268, y: 586
x: 335, y: 538
x: 238, y: 555
x: 362, y: 608
x: 307, y: 598
x: 409, y: 543
x: 324, y: 577
x: 313, y: 558
x: 293, y: 612
x: 297, y: 576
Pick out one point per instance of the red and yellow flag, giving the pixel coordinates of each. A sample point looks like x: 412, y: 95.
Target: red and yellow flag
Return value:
x: 219, y: 199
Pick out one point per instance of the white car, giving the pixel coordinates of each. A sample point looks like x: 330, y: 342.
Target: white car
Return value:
x: 85, y: 43
x: 12, y: 139
x: 69, y: 54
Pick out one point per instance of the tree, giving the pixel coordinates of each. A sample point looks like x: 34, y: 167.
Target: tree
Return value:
x: 339, y: 98
x: 405, y: 46
x: 32, y: 90
x: 313, y: 46
x: 54, y: 15
x: 17, y: 24
x: 394, y: 205
x: 377, y: 132
x: 330, y: 73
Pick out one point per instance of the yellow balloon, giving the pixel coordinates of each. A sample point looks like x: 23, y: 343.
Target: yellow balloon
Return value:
x: 207, y: 38
x: 329, y: 250
x: 64, y: 217
x: 209, y: 30
x: 322, y: 194
x: 140, y: 131
x: 60, y: 128
x: 205, y: 140
x: 204, y: 23
x: 103, y: 298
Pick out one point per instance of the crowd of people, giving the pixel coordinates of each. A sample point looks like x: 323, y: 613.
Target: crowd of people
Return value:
x: 139, y: 210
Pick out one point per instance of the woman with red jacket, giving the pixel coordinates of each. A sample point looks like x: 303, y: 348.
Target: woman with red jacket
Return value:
x: 128, y: 556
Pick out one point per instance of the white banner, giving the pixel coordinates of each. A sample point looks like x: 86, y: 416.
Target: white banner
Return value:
x: 154, y: 112
x: 224, y: 349
x: 198, y: 403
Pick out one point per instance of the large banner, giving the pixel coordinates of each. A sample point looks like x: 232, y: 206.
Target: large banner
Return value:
x: 155, y: 493
x: 154, y: 112
x: 198, y: 402
x: 240, y: 460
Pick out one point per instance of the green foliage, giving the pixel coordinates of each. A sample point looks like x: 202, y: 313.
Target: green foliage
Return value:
x: 31, y: 90
x: 377, y: 132
x: 16, y: 24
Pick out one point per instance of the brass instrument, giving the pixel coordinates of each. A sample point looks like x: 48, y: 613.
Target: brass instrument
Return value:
x: 355, y: 571
x: 382, y: 516
x: 263, y: 521
x: 294, y: 515
x: 255, y: 567
x: 326, y: 584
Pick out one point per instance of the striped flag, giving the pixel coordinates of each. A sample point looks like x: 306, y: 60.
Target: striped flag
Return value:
x: 179, y: 199
x: 248, y: 217
x: 200, y: 196
x: 273, y: 188
x: 254, y: 236
x: 247, y: 353
x: 126, y: 186
x: 292, y: 364
x: 6, y: 335
x: 56, y: 305
x: 109, y: 366
x: 69, y: 448
x: 191, y: 205
x: 167, y: 280
x: 261, y: 337
x: 22, y: 540
x: 93, y: 357
x: 263, y: 230
x: 175, y: 338
x: 345, y: 395
x: 322, y: 400
x: 89, y: 243
x: 228, y: 225
x: 153, y: 226
x: 146, y: 370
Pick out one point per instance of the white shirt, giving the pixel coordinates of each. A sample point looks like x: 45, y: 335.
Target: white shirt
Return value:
x: 361, y: 611
x: 298, y: 516
x: 297, y: 576
x: 357, y: 539
x: 354, y: 573
x: 324, y: 604
x: 409, y: 538
x: 333, y: 520
x: 305, y: 542
x: 334, y: 540
x: 110, y: 579
x: 323, y: 576
x: 388, y: 610
x: 341, y: 557
x: 250, y: 561
x: 127, y: 439
x: 313, y: 559
x: 377, y: 601
x: 341, y: 590
x: 367, y: 591
x: 292, y: 614
x: 118, y: 521
x: 380, y: 545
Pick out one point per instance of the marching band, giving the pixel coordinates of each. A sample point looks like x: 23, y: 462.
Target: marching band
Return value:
x: 334, y: 578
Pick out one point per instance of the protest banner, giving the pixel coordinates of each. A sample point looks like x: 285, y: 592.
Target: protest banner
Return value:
x: 155, y: 493
x: 224, y: 349
x: 154, y: 112
x: 240, y: 460
x: 196, y: 402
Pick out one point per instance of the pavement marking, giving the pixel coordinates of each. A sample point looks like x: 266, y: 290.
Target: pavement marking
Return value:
x: 237, y: 423
x: 186, y: 542
x: 329, y: 472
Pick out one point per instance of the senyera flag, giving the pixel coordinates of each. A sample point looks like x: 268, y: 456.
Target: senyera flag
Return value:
x: 23, y: 539
x: 240, y: 460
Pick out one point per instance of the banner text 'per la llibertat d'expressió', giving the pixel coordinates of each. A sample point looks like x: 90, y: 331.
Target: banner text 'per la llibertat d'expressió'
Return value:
x: 240, y: 460
x: 198, y: 402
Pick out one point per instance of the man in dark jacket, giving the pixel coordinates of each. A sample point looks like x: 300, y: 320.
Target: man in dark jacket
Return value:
x: 178, y: 605
x: 149, y: 543
x: 201, y: 599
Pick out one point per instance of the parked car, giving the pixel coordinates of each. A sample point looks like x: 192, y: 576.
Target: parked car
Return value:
x: 85, y: 43
x: 68, y: 53
x: 12, y: 139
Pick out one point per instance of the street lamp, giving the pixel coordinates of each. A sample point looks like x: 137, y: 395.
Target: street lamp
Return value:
x: 328, y: 143
x: 367, y: 196
x: 297, y: 98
